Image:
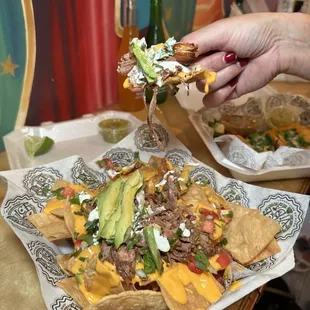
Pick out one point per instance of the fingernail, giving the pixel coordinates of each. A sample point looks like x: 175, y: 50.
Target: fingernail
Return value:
x: 243, y: 62
x: 230, y: 57
x: 233, y: 82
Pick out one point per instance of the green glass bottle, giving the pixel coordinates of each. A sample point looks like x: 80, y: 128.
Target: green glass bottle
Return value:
x: 155, y: 35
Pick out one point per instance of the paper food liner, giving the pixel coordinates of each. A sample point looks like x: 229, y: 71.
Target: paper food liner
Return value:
x: 25, y: 196
x: 243, y: 155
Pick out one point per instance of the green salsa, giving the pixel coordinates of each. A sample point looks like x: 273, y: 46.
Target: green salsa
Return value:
x: 114, y: 129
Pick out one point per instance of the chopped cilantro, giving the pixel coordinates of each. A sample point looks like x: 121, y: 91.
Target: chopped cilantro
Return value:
x: 154, y: 165
x: 90, y: 226
x: 223, y: 242
x: 101, y: 163
x: 46, y: 190
x: 149, y: 264
x: 302, y: 142
x: 76, y: 253
x: 76, y: 234
x: 131, y: 244
x: 75, y: 200
x: 83, y: 259
x: 88, y: 239
x: 229, y: 214
x: 100, y: 256
x: 179, y: 232
x: 78, y: 278
x: 136, y: 156
x: 57, y: 193
x: 201, y: 261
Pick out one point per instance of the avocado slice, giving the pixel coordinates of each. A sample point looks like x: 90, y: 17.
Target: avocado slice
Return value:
x: 108, y: 231
x: 133, y: 183
x: 148, y: 233
x: 144, y: 61
x: 107, y: 202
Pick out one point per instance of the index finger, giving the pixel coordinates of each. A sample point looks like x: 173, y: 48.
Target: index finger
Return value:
x: 212, y: 37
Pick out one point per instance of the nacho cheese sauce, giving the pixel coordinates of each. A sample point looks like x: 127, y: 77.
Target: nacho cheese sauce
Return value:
x: 79, y: 221
x: 85, y: 255
x: 235, y: 286
x: 175, y: 280
x: 53, y: 204
x: 150, y: 277
x: 105, y: 279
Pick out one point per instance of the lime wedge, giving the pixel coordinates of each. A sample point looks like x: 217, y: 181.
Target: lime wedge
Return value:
x: 36, y: 146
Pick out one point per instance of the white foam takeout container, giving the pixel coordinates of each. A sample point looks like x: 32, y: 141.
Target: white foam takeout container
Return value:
x: 193, y: 103
x: 75, y: 137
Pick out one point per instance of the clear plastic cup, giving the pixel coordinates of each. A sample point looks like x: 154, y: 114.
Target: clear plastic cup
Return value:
x: 114, y: 130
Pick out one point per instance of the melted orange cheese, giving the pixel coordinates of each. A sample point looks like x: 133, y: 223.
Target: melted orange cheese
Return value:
x: 53, y: 204
x: 235, y: 286
x: 79, y: 220
x: 104, y: 280
x: 86, y: 254
x: 152, y: 276
x: 210, y: 78
x: 175, y: 280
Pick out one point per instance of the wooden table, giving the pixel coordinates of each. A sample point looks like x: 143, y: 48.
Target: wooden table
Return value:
x: 19, y: 287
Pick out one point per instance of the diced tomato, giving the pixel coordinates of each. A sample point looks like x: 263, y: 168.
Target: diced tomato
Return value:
x: 108, y: 163
x: 207, y: 212
x: 192, y: 267
x: 68, y: 192
x: 77, y: 243
x: 208, y: 226
x: 224, y: 260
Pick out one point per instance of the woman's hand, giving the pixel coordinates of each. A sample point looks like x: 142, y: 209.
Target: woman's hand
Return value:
x: 249, y: 51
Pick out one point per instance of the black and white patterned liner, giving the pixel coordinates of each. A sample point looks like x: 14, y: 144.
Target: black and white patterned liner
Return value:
x: 39, y: 179
x: 203, y: 175
x: 235, y: 193
x: 120, y: 156
x: 44, y: 253
x: 286, y: 211
x: 178, y: 157
x: 17, y: 210
x: 45, y: 258
x: 82, y: 174
x: 144, y: 140
x: 263, y: 265
x: 64, y: 302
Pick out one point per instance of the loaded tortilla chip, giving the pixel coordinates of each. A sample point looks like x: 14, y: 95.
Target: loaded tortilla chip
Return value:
x: 170, y: 63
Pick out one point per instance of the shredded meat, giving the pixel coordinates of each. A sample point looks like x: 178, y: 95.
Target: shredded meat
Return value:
x: 128, y: 61
x: 125, y: 261
x: 106, y: 252
x: 91, y: 206
x: 207, y: 246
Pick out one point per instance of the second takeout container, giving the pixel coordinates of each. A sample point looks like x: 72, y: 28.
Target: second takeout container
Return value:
x: 193, y: 103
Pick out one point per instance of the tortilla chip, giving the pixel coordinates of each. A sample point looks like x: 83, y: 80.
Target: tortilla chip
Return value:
x: 65, y: 262
x: 90, y: 272
x: 204, y: 195
x: 58, y: 212
x: 71, y: 287
x: 69, y: 219
x: 249, y: 233
x: 271, y: 249
x: 195, y: 300
x: 131, y: 300
x: 52, y: 227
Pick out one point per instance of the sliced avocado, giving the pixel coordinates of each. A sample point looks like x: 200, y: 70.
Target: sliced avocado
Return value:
x: 133, y: 183
x: 148, y: 233
x: 108, y: 231
x: 107, y: 203
x: 144, y: 61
